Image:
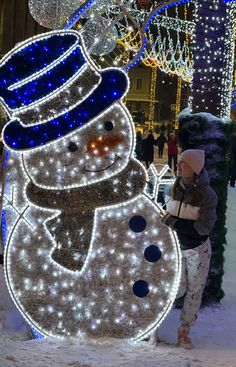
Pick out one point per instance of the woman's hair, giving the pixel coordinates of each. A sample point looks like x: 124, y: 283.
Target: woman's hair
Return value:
x: 177, y: 183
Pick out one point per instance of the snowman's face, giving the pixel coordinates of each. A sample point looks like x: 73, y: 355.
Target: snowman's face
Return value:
x: 99, y: 150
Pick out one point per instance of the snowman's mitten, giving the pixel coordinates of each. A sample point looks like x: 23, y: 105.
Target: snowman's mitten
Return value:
x: 169, y: 220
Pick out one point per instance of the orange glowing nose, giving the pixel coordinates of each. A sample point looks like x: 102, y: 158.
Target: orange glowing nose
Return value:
x: 101, y: 145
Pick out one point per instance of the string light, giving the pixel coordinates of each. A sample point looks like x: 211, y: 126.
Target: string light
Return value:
x: 152, y: 104
x: 213, y: 59
x: 178, y: 101
x: 170, y: 57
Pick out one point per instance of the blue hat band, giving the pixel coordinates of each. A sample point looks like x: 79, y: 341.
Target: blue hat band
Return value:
x: 47, y: 84
x: 67, y: 98
x: 112, y: 87
x: 27, y: 60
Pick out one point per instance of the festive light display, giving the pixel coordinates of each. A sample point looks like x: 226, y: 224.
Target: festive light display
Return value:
x: 172, y: 57
x: 229, y: 61
x: 140, y: 19
x: 86, y: 253
x: 129, y: 19
x: 213, y: 57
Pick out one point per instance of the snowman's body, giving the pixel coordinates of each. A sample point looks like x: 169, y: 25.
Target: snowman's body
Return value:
x: 86, y: 252
x: 98, y: 297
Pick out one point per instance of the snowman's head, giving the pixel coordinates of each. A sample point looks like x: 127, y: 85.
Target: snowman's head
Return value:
x: 99, y: 150
x: 67, y: 119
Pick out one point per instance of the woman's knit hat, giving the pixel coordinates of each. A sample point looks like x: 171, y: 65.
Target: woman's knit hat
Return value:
x: 195, y: 158
x: 49, y: 87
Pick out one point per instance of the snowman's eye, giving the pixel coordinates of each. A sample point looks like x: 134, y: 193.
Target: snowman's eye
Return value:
x: 72, y: 147
x: 108, y: 125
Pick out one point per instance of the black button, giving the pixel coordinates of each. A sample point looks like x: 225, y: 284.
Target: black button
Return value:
x: 72, y: 147
x: 141, y: 288
x: 137, y: 223
x: 152, y: 253
x: 108, y: 125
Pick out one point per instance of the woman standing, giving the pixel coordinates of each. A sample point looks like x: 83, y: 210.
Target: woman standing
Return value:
x: 191, y: 212
x: 139, y: 146
x: 148, y: 149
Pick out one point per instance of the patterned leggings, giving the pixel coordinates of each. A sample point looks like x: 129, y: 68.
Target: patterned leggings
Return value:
x: 195, y: 267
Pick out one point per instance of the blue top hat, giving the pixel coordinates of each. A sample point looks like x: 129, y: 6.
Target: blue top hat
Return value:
x: 39, y: 70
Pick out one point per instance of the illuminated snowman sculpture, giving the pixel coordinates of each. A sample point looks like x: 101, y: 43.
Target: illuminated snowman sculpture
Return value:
x: 85, y: 253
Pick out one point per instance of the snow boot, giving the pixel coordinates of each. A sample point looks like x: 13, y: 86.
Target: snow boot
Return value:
x: 184, y: 341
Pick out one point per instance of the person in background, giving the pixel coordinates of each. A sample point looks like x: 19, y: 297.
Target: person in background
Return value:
x: 139, y: 146
x: 148, y: 149
x: 163, y: 128
x: 161, y: 140
x: 172, y: 144
x: 191, y: 212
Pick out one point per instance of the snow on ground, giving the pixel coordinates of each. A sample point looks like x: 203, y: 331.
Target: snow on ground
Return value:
x: 213, y: 335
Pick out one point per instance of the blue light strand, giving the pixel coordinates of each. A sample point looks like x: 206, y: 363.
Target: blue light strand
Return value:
x: 112, y: 87
x: 36, y: 333
x: 77, y: 14
x: 4, y: 221
x: 140, y: 56
x: 4, y: 228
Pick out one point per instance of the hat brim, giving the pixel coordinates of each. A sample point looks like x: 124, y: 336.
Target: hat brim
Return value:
x: 112, y: 87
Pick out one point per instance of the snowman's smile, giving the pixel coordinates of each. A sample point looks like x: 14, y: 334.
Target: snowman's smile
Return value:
x: 103, y: 169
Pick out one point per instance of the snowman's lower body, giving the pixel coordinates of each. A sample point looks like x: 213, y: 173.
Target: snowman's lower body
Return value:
x: 121, y: 291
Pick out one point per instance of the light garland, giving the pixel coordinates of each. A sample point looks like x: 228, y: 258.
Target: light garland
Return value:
x: 152, y: 97
x: 184, y: 26
x: 172, y: 58
x: 130, y: 21
x: 178, y: 101
x: 86, y: 253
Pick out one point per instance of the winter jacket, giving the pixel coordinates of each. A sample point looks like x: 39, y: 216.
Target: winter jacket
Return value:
x: 148, y: 148
x: 161, y: 140
x: 194, y: 208
x: 172, y: 147
x: 139, y: 147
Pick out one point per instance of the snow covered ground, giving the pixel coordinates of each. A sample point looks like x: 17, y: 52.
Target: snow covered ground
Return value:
x: 213, y: 335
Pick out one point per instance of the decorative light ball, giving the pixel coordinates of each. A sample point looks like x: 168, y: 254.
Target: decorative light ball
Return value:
x: 99, y: 38
x: 53, y: 13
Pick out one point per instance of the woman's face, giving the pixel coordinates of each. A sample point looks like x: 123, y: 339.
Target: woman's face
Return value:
x: 184, y: 170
